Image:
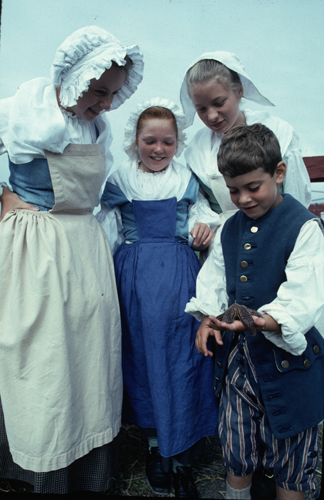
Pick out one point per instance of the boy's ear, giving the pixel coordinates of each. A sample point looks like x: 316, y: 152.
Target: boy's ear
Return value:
x: 280, y: 172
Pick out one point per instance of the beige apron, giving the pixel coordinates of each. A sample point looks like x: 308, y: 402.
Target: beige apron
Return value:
x: 60, y: 336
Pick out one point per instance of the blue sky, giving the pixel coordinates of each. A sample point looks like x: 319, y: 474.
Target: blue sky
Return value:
x: 280, y: 43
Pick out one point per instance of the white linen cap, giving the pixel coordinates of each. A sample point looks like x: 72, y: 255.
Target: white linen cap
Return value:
x: 231, y: 61
x: 131, y: 126
x: 85, y: 55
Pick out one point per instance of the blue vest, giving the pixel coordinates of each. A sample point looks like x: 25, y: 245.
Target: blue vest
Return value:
x: 256, y: 254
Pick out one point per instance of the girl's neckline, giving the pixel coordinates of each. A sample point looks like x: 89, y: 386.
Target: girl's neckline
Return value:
x: 150, y: 173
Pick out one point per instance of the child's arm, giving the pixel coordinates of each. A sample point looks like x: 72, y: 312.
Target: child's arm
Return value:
x: 111, y: 222
x: 300, y: 300
x: 211, y: 297
x: 203, y: 222
x: 110, y: 216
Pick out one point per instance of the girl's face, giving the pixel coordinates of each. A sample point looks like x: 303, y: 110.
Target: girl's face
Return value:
x: 217, y: 106
x: 157, y: 144
x: 99, y: 95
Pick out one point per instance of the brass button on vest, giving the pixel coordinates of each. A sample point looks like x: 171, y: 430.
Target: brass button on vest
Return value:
x: 254, y: 229
x: 306, y: 363
x: 243, y: 279
x: 316, y: 349
x: 247, y: 246
x: 244, y: 264
x: 285, y: 363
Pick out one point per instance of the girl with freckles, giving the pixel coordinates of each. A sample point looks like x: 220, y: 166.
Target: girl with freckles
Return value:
x: 164, y: 219
x: 60, y: 334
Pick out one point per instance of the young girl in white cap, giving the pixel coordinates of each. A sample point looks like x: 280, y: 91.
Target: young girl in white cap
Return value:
x: 167, y: 389
x: 213, y: 86
x: 60, y: 341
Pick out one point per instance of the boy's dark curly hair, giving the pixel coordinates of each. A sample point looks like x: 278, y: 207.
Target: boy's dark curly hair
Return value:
x: 248, y: 147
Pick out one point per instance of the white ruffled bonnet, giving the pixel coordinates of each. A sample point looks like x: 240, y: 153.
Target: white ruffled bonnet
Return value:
x: 131, y: 126
x: 86, y: 54
x: 231, y: 61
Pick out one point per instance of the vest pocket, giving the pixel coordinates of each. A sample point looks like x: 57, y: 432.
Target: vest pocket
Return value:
x: 286, y: 362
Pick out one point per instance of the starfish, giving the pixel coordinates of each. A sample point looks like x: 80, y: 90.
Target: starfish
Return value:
x: 242, y: 313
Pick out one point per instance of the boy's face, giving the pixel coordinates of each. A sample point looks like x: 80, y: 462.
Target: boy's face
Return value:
x: 256, y: 192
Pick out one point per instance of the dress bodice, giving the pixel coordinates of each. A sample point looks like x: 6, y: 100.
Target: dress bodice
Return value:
x: 156, y: 218
x: 32, y: 182
x: 113, y: 196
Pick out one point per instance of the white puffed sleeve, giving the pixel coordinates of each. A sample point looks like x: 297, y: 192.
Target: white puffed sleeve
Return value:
x: 3, y: 149
x: 211, y: 297
x: 111, y: 222
x: 201, y: 212
x: 297, y: 182
x: 300, y: 300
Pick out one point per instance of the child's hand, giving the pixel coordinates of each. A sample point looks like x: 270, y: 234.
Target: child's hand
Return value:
x: 204, y: 331
x: 11, y: 201
x: 202, y: 235
x: 237, y: 325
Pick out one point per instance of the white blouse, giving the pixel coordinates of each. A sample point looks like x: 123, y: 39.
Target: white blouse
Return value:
x: 138, y: 185
x: 299, y: 302
x: 201, y: 156
x: 31, y: 122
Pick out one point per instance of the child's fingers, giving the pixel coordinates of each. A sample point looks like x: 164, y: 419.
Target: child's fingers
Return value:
x: 196, y: 231
x: 201, y: 233
x: 202, y: 347
x: 202, y: 336
x: 216, y: 325
x: 258, y: 321
x: 208, y: 237
x: 218, y: 337
x: 201, y: 339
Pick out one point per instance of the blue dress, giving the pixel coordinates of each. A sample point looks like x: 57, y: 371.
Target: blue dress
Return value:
x: 167, y: 384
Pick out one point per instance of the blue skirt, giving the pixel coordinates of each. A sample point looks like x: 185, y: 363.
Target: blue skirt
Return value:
x: 168, y: 385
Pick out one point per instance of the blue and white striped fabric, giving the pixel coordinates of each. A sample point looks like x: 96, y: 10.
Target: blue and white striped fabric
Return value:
x: 246, y: 436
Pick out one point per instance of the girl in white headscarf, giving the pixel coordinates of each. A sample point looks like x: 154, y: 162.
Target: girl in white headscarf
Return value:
x: 60, y: 339
x: 213, y: 86
x: 166, y: 383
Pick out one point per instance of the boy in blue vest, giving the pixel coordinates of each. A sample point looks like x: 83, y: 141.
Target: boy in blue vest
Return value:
x: 267, y: 257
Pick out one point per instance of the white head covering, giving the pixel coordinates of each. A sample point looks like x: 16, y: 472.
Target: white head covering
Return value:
x: 131, y: 126
x: 232, y: 62
x: 31, y: 120
x: 86, y: 54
